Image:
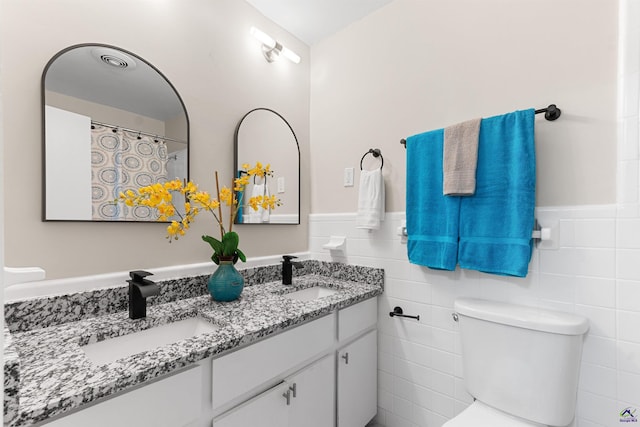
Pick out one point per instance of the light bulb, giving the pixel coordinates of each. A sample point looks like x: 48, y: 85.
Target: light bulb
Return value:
x: 291, y: 55
x: 262, y: 37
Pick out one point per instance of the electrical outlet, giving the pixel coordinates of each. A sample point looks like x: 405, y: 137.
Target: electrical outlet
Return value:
x: 348, y: 177
x: 281, y: 184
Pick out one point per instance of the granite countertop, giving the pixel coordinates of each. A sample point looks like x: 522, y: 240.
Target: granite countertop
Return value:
x: 47, y: 373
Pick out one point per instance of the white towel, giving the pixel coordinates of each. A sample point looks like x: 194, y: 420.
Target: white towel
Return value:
x: 256, y: 215
x: 370, y: 200
x: 265, y: 214
x: 261, y: 215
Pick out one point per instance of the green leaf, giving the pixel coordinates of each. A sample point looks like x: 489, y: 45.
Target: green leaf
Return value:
x: 217, y: 247
x: 242, y: 257
x: 215, y: 258
x: 216, y: 244
x: 230, y: 242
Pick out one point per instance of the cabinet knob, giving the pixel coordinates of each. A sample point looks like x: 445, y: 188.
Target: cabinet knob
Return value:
x: 293, y: 388
x: 346, y: 358
x: 287, y: 395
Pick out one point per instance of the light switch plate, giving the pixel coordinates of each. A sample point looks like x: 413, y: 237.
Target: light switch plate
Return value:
x: 281, y: 184
x: 348, y: 177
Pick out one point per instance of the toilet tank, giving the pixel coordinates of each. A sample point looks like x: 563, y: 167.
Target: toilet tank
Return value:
x: 522, y: 360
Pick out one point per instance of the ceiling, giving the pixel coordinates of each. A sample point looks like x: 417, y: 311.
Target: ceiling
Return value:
x: 313, y: 20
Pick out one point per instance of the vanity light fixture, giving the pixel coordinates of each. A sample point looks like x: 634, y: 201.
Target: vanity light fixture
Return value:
x: 272, y: 49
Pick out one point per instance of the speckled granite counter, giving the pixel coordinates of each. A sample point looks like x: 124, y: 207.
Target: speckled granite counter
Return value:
x: 47, y: 373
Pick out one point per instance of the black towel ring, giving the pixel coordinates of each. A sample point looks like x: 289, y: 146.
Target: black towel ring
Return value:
x: 376, y: 153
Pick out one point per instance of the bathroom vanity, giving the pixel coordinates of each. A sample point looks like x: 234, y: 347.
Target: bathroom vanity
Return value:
x: 278, y: 355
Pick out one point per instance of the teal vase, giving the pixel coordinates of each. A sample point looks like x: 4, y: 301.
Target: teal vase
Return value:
x: 226, y: 283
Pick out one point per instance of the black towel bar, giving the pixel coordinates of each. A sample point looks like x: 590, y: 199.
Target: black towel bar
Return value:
x: 397, y: 312
x: 551, y: 113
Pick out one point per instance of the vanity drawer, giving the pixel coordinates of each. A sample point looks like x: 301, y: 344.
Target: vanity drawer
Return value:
x: 357, y: 318
x: 242, y: 371
x: 167, y: 402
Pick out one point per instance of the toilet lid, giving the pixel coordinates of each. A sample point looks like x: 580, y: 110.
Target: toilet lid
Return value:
x: 480, y: 415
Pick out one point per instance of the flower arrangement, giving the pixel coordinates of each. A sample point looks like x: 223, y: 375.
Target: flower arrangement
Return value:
x: 159, y: 197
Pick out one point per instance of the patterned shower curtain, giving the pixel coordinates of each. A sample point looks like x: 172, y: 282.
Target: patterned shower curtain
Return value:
x: 120, y: 161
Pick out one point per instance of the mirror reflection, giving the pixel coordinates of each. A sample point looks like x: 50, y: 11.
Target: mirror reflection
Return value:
x: 112, y: 122
x: 264, y: 135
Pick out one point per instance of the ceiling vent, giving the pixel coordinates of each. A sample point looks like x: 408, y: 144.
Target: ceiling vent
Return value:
x: 114, y: 58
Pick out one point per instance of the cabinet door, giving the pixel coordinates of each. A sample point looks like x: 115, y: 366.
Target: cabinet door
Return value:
x: 248, y: 368
x: 269, y: 409
x: 314, y: 402
x: 358, y: 381
x: 170, y: 402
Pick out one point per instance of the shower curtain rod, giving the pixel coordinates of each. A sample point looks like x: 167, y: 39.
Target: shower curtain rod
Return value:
x: 550, y: 113
x: 164, y: 138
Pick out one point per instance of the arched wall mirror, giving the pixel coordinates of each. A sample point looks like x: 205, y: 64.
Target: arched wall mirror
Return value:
x: 264, y: 135
x: 111, y: 122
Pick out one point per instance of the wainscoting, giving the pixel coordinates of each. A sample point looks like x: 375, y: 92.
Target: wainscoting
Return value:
x: 592, y: 267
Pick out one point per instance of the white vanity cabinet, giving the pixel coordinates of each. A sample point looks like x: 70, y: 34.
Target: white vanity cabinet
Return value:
x: 288, y: 379
x: 357, y: 376
x: 303, y: 399
x: 357, y: 381
x: 352, y: 346
x: 255, y: 367
x: 169, y: 402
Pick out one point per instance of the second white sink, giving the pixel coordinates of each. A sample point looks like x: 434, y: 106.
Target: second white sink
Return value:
x: 110, y: 350
x: 310, y: 294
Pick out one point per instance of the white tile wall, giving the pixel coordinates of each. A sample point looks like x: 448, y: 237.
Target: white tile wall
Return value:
x: 629, y: 105
x: 420, y: 381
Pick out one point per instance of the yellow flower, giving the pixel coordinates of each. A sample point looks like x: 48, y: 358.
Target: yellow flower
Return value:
x: 254, y: 202
x: 226, y: 196
x: 159, y: 196
x: 189, y: 188
x: 174, y: 185
x: 173, y: 229
x: 241, y: 182
x: 272, y: 201
x: 166, y: 210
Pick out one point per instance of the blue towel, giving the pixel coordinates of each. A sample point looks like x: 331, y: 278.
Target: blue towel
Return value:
x: 432, y: 218
x: 496, y: 223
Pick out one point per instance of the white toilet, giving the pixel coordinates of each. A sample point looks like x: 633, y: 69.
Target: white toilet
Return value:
x: 521, y: 364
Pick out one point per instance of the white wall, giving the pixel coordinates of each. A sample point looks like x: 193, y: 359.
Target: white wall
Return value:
x: 109, y: 115
x: 204, y: 48
x: 1, y: 218
x: 417, y: 65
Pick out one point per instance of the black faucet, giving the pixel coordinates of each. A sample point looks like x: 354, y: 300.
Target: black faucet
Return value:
x: 139, y: 289
x: 287, y: 268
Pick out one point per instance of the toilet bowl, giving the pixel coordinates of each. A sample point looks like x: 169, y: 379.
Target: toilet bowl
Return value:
x: 521, y: 364
x: 480, y: 415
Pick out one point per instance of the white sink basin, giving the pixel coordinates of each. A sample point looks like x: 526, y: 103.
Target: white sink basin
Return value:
x: 112, y: 349
x: 310, y: 294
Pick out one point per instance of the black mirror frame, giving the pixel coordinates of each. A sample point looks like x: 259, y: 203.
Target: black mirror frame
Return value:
x: 235, y: 160
x: 43, y: 124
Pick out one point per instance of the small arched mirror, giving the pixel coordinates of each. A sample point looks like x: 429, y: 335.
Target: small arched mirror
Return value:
x: 263, y: 135
x: 112, y: 122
